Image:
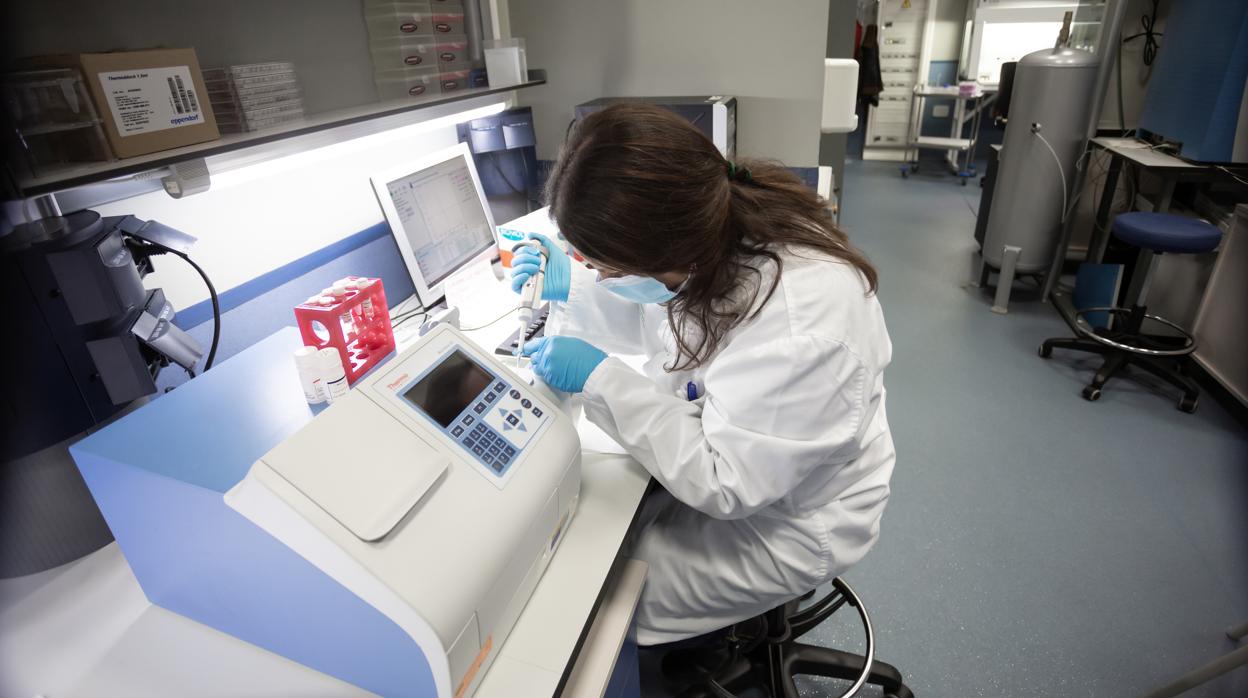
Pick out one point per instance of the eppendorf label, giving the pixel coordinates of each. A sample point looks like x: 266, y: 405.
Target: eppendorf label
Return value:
x: 152, y: 99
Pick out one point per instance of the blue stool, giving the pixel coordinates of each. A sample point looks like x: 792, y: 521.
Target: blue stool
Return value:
x: 1124, y: 343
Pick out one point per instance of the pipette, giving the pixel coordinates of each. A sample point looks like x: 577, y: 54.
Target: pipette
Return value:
x: 530, y: 293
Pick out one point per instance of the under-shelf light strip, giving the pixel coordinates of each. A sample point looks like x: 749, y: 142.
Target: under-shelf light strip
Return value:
x: 286, y: 163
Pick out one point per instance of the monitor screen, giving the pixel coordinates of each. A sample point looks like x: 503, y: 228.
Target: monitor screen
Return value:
x: 451, y: 386
x: 442, y: 218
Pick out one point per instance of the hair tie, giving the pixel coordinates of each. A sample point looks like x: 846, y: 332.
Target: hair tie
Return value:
x: 739, y: 174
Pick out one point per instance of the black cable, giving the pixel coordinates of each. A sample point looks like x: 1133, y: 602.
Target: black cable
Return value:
x: 216, y: 306
x: 1148, y: 21
x: 157, y: 248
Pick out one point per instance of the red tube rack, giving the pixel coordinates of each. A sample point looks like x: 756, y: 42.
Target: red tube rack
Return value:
x: 363, y: 341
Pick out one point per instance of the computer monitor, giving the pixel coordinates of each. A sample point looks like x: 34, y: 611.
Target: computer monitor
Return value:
x: 438, y: 215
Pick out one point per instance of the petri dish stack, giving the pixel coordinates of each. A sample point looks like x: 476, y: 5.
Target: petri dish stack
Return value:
x: 254, y: 96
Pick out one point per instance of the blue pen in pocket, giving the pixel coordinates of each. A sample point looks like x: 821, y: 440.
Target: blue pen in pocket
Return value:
x: 691, y: 391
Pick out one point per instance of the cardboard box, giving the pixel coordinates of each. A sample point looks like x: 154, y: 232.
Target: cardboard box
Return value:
x: 149, y: 100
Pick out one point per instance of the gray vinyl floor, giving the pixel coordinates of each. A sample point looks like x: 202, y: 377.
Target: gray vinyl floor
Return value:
x: 1035, y: 544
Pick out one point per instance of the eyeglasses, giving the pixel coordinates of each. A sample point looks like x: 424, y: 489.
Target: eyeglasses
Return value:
x: 603, y: 270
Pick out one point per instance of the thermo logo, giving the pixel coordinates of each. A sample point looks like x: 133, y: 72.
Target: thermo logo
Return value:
x: 394, y: 385
x: 443, y: 27
x: 447, y: 57
x: 416, y: 90
x: 450, y: 85
x: 408, y: 27
x: 413, y: 60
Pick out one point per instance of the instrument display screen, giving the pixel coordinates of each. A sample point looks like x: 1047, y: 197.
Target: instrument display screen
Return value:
x: 449, y: 388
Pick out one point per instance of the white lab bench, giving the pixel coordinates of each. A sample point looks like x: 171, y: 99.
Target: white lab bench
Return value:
x: 85, y: 629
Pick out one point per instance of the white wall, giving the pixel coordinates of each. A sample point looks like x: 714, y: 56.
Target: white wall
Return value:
x: 947, y: 31
x: 767, y: 54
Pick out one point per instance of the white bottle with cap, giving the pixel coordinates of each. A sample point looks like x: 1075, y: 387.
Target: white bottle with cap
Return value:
x: 311, y: 376
x: 333, y: 373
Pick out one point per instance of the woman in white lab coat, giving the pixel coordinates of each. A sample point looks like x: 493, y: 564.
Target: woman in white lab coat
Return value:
x: 761, y: 407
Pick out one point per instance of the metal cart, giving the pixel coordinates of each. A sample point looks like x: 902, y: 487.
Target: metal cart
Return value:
x: 959, y: 152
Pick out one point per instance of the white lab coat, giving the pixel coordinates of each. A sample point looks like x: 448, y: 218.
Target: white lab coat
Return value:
x: 776, y: 476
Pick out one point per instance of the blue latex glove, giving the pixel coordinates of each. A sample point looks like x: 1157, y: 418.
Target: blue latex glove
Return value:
x: 564, y: 363
x: 527, y: 261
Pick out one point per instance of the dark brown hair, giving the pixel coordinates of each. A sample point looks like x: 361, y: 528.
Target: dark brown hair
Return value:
x: 644, y: 191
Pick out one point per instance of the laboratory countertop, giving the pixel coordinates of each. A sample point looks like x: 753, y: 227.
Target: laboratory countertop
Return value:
x: 86, y: 629
x: 1145, y: 155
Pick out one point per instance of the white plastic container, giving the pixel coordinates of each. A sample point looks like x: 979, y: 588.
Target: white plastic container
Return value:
x: 506, y: 62
x: 334, y: 374
x: 311, y: 376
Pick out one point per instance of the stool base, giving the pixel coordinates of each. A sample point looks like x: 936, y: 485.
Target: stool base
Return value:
x: 1169, y: 369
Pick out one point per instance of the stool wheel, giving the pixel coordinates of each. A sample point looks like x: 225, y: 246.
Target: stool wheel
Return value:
x: 1187, y: 404
x: 1091, y: 393
x: 1045, y: 351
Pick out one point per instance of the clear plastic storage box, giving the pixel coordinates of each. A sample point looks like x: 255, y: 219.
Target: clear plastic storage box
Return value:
x: 448, y: 19
x: 254, y: 96
x: 405, y: 83
x: 452, y: 50
x: 453, y: 80
x: 52, y: 122
x: 399, y: 19
x: 404, y: 52
x: 506, y: 62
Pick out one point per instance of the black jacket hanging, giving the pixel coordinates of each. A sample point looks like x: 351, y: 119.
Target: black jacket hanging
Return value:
x: 870, y: 82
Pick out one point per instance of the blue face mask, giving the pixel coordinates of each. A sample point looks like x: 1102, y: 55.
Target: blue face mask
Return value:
x: 638, y: 289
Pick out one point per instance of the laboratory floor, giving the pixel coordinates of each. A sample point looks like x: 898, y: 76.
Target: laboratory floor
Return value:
x: 1035, y: 544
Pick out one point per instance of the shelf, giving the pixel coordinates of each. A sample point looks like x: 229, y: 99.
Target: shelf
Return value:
x: 323, y: 123
x: 57, y: 128
x: 950, y: 92
x: 941, y: 143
